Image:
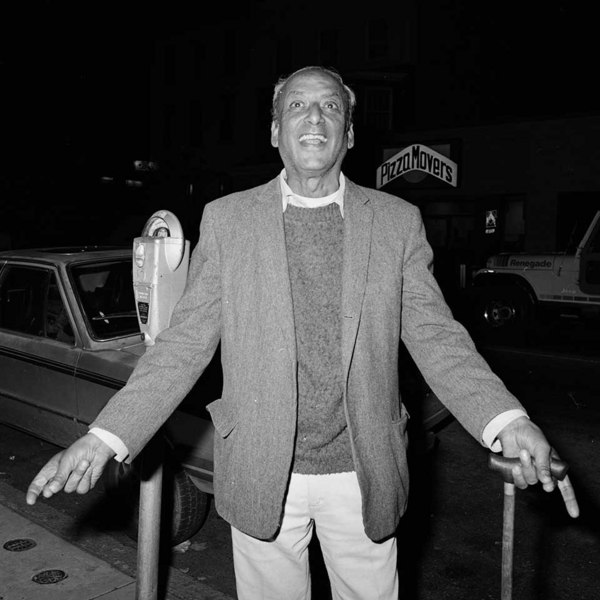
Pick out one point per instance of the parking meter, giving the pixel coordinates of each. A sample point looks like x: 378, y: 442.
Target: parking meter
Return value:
x: 160, y: 265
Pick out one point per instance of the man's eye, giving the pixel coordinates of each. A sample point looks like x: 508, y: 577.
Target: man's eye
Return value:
x: 331, y: 105
x: 295, y: 104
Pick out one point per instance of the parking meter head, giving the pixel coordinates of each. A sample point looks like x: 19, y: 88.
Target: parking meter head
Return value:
x: 160, y: 264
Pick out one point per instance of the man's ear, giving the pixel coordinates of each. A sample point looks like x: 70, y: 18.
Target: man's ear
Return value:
x: 274, y: 134
x: 350, y: 135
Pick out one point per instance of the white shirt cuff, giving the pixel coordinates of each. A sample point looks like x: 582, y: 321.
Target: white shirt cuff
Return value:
x: 115, y: 443
x: 499, y: 422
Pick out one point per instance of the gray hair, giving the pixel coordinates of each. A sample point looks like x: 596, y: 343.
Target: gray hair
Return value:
x: 348, y: 94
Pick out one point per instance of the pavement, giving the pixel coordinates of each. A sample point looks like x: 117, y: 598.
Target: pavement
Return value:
x: 36, y: 563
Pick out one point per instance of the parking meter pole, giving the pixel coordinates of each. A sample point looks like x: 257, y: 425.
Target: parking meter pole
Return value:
x: 149, y: 521
x: 160, y: 265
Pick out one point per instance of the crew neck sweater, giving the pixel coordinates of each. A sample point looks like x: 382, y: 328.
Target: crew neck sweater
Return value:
x: 314, y: 245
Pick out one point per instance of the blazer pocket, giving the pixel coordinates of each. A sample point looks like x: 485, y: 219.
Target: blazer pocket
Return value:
x: 224, y: 416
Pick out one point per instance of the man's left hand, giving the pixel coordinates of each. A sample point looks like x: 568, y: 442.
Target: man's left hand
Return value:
x: 524, y: 439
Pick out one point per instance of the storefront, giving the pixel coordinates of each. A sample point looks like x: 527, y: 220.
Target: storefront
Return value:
x: 508, y: 187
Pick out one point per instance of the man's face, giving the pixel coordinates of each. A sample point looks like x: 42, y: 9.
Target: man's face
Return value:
x: 311, y: 131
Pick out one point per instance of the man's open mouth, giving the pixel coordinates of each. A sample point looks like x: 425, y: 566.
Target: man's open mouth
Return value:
x: 313, y: 138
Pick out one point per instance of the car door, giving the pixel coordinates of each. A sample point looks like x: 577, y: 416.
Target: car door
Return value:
x: 38, y: 354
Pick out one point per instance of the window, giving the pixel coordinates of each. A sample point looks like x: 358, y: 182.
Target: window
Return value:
x: 378, y: 108
x: 328, y: 47
x: 226, y: 125
x: 199, y: 54
x: 196, y: 123
x: 378, y: 39
x: 230, y: 52
x: 168, y: 125
x: 283, y: 57
x: 170, y: 64
x: 593, y: 245
x: 106, y: 294
x: 514, y: 225
x: 30, y: 302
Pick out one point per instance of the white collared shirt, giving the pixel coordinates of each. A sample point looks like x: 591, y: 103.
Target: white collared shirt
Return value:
x: 289, y: 197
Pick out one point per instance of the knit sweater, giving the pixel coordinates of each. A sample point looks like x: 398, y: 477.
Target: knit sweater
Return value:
x: 314, y: 242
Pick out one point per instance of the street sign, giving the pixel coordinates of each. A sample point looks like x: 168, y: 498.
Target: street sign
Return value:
x: 491, y: 221
x: 417, y: 157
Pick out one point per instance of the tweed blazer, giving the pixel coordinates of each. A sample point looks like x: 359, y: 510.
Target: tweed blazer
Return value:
x: 238, y: 292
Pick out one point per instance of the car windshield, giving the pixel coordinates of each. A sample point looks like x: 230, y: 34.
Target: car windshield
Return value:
x: 106, y: 295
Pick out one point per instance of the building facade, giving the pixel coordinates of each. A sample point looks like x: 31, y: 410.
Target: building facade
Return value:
x: 536, y: 180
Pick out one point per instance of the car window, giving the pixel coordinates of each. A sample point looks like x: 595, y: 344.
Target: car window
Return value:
x: 105, y: 291
x: 30, y: 302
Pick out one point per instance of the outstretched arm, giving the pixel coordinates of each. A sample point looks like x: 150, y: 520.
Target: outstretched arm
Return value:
x: 75, y: 469
x: 524, y: 440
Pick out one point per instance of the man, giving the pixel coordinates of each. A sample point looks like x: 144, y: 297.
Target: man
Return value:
x: 309, y: 282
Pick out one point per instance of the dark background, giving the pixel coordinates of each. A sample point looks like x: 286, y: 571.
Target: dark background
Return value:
x: 75, y: 89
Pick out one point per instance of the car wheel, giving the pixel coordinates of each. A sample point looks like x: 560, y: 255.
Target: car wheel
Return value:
x: 502, y: 312
x: 184, y: 507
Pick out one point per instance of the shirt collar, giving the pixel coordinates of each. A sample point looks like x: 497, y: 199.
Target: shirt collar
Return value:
x: 289, y: 197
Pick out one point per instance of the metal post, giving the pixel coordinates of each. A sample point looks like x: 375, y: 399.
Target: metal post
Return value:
x: 149, y: 521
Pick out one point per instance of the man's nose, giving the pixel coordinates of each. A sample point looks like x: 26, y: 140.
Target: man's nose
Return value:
x: 315, y: 114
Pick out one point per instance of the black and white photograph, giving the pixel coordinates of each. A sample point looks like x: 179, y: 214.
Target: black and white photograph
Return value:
x: 299, y: 301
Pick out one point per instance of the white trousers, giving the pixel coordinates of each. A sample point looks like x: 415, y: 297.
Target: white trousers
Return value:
x: 358, y: 568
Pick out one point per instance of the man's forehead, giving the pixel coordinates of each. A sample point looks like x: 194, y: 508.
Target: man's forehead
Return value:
x: 312, y: 81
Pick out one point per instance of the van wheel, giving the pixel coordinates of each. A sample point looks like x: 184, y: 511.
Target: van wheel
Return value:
x: 502, y: 312
x: 184, y: 507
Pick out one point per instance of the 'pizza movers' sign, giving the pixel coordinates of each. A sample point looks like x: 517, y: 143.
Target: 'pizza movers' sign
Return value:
x: 417, y: 158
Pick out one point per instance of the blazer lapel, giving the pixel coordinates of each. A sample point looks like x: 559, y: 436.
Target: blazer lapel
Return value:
x: 358, y: 224
x: 269, y: 222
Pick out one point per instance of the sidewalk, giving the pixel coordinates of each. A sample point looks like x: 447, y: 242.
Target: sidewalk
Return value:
x: 37, y: 564
x: 30, y: 552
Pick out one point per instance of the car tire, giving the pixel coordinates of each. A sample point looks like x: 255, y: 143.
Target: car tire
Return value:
x: 184, y: 507
x: 501, y: 313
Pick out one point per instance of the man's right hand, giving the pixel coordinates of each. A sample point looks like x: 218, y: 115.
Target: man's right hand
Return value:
x: 76, y: 469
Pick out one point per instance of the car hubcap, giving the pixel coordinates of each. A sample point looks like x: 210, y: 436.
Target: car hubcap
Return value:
x: 498, y: 314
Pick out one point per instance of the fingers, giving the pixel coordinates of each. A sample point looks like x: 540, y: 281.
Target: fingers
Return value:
x: 568, y: 494
x: 528, y: 472
x: 86, y: 483
x: 525, y: 472
x: 52, y: 479
x: 77, y: 477
x: 75, y: 469
x: 87, y: 480
x: 542, y: 457
x: 40, y: 481
x: 35, y: 489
